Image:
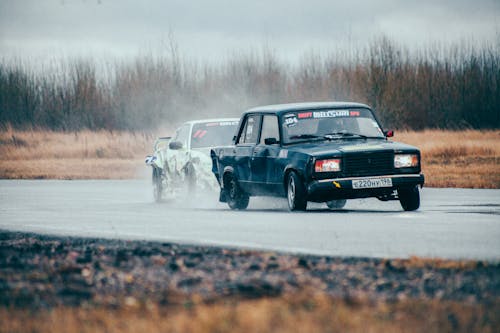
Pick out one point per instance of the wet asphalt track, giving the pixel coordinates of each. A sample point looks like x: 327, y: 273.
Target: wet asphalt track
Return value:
x: 451, y: 223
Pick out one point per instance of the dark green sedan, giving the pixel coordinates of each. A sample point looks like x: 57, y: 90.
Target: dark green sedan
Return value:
x: 320, y: 152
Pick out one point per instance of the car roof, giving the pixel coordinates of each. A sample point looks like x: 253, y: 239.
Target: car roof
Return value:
x: 281, y: 108
x: 211, y: 120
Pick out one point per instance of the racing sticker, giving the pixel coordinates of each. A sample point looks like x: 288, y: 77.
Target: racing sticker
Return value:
x: 304, y: 115
x: 331, y: 114
x: 222, y: 123
x: 199, y: 134
x: 291, y: 120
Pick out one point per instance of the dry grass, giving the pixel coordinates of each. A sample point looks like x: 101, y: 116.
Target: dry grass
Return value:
x: 450, y: 158
x: 435, y: 263
x: 76, y: 155
x: 458, y: 158
x: 292, y: 313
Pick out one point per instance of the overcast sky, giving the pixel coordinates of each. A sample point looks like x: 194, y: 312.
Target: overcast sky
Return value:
x: 213, y: 29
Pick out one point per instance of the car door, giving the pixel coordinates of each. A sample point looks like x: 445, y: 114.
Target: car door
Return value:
x: 263, y: 160
x: 177, y: 158
x: 243, y: 150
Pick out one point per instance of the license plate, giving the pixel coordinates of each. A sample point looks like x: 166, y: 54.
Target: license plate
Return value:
x: 371, y: 183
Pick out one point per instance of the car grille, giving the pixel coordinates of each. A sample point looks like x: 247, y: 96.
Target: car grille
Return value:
x: 369, y: 164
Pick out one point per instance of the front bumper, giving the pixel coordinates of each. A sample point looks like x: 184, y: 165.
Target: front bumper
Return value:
x: 341, y: 188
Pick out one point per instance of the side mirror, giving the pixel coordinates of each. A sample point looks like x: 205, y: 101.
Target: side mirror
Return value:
x: 270, y: 141
x: 389, y: 134
x: 175, y: 145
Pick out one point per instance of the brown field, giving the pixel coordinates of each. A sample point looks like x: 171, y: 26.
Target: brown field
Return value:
x: 458, y: 158
x: 291, y: 313
x: 468, y: 158
x: 73, y: 155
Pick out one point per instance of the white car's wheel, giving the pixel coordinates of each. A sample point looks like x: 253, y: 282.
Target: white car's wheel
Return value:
x: 157, y: 185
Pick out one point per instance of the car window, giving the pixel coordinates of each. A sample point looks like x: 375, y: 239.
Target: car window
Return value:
x: 213, y: 133
x: 182, y: 135
x: 250, y: 132
x: 269, y: 128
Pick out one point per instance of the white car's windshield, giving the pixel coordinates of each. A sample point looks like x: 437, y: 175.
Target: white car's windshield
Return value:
x: 212, y: 134
x: 321, y: 124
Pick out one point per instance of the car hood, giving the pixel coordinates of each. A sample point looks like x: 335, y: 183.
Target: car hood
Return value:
x: 344, y: 146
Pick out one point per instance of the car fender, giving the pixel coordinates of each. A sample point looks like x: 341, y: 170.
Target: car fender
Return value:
x: 201, y: 163
x: 289, y: 168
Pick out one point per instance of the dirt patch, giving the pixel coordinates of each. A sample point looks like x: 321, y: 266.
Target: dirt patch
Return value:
x: 54, y: 284
x: 41, y: 271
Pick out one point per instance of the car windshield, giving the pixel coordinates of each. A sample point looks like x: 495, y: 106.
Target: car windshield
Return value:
x: 212, y: 134
x: 329, y: 124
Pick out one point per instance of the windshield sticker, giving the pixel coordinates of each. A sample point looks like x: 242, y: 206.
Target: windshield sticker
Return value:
x: 291, y: 120
x: 222, y: 123
x: 331, y: 114
x: 354, y: 113
x: 228, y: 123
x: 199, y: 134
x: 304, y: 115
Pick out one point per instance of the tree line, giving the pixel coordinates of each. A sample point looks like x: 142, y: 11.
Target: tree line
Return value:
x: 441, y: 86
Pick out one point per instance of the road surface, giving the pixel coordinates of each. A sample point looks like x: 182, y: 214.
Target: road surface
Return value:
x: 451, y: 223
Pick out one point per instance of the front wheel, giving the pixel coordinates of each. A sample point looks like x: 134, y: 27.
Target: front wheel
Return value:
x: 336, y: 204
x: 190, y: 173
x: 157, y: 185
x: 296, y: 193
x: 409, y: 198
x: 236, y: 198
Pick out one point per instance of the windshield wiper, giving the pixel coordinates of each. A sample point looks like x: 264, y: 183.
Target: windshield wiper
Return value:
x: 335, y: 135
x: 306, y: 136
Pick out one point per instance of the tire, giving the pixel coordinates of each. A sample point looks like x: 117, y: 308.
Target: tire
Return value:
x: 157, y: 185
x: 236, y: 198
x: 191, y: 179
x: 336, y: 204
x: 409, y: 198
x: 296, y: 193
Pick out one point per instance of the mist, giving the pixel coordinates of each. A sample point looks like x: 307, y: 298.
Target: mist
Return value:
x: 441, y: 86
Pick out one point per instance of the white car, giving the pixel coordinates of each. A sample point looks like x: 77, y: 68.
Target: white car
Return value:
x: 182, y: 162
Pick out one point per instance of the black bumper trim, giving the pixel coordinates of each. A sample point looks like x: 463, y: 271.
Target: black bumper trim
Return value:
x: 341, y: 188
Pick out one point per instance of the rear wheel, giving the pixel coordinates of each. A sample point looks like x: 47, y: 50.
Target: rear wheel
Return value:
x: 236, y: 198
x: 157, y: 185
x: 336, y: 204
x: 296, y: 193
x: 409, y: 198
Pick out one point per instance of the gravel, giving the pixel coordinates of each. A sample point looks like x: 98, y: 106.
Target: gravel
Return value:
x: 44, y: 271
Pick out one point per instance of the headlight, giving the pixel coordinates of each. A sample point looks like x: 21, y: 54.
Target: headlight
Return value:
x: 405, y: 160
x: 330, y: 165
